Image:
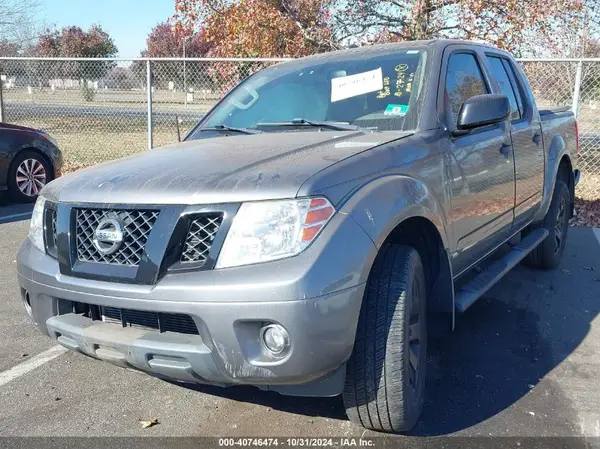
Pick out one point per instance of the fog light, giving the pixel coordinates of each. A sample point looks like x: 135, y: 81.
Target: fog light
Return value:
x: 275, y: 338
x: 27, y: 302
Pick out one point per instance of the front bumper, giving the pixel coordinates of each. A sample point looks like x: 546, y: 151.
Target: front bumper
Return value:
x: 228, y: 316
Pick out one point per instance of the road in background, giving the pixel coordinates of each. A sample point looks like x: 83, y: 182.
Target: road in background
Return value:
x: 16, y: 111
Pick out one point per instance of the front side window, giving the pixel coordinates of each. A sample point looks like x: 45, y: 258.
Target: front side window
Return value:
x: 501, y: 76
x: 463, y: 81
x: 379, y: 92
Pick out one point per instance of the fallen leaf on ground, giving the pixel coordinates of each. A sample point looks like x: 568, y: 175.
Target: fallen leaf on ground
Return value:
x: 587, y: 207
x: 148, y: 422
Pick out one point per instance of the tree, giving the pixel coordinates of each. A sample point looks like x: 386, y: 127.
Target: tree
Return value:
x: 167, y: 41
x: 9, y: 48
x: 73, y: 42
x: 508, y: 24
x: 17, y: 20
x: 259, y: 28
x: 256, y: 28
x: 300, y: 27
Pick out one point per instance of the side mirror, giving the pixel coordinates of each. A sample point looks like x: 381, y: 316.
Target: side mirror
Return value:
x: 482, y: 110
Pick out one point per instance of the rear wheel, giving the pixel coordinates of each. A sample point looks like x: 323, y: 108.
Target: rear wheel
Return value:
x: 385, y: 376
x: 548, y: 254
x: 28, y: 173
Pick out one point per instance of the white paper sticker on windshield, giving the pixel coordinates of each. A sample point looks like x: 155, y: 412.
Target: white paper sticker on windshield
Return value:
x: 353, y: 85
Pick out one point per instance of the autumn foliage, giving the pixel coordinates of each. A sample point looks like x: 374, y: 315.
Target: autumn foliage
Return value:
x: 74, y: 42
x: 251, y: 28
x: 166, y: 41
x: 511, y: 24
x: 259, y: 28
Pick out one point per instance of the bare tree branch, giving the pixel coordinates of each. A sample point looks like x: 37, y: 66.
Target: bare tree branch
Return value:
x: 19, y: 23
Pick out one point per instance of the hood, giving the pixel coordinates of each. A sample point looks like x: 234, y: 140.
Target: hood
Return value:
x: 4, y: 125
x: 216, y: 170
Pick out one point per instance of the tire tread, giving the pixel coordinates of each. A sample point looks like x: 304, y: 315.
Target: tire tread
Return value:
x: 375, y: 399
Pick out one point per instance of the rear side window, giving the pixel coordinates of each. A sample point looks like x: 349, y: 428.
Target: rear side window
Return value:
x: 463, y: 81
x: 501, y: 76
x: 513, y: 81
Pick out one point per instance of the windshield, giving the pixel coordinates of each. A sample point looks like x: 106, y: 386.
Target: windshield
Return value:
x: 381, y: 92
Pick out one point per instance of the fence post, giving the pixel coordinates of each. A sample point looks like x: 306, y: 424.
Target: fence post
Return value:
x: 1, y: 100
x: 577, y: 88
x: 149, y: 100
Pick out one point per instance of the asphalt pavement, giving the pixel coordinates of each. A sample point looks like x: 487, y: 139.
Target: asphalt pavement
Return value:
x: 523, y: 361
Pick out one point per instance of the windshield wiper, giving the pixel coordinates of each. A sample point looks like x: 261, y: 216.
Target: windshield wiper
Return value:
x: 338, y: 126
x: 231, y: 128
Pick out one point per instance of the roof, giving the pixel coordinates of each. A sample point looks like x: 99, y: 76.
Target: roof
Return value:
x: 380, y: 49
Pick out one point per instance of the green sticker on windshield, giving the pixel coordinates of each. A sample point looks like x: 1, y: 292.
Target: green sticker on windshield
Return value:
x: 396, y: 109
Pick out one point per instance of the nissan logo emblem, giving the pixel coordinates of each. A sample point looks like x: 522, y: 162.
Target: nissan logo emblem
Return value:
x: 108, y: 236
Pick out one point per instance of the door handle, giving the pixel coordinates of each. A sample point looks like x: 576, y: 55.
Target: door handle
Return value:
x: 537, y: 138
x: 505, y: 149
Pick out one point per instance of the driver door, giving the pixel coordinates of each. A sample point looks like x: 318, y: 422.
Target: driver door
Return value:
x: 482, y: 170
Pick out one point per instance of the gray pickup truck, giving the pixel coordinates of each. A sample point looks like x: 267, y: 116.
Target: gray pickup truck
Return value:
x: 313, y: 230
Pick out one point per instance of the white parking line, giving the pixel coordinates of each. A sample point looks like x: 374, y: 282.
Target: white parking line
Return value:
x: 23, y: 215
x: 31, y: 364
x: 597, y: 233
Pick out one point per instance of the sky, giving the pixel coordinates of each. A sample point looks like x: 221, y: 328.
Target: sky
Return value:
x: 127, y: 21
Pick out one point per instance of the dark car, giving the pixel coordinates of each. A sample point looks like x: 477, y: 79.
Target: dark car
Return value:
x: 29, y: 159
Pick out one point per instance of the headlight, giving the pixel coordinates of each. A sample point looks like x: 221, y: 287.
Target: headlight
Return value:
x: 271, y: 230
x: 36, y: 225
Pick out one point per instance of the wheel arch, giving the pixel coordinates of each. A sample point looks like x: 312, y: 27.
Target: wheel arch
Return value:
x: 565, y: 173
x: 559, y: 165
x: 421, y: 233
x: 403, y: 210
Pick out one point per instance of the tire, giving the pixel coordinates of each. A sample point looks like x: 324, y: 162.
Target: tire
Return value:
x: 28, y: 173
x: 548, y: 254
x: 383, y: 391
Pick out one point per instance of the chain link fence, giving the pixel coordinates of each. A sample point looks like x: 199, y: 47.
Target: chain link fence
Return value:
x: 101, y: 109
x: 98, y: 109
x: 573, y: 83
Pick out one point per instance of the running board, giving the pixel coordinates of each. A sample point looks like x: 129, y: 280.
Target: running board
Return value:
x: 485, y: 280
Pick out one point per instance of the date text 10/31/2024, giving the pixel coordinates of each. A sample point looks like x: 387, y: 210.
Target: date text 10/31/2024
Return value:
x: 296, y: 442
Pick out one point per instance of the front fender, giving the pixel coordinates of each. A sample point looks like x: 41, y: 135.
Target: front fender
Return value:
x: 379, y: 206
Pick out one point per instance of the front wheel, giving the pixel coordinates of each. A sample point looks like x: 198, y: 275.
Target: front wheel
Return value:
x: 28, y: 173
x: 548, y: 254
x: 385, y: 376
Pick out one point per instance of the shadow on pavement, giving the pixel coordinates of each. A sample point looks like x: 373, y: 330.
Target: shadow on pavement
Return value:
x: 502, y: 347
x: 326, y: 407
x: 11, y: 212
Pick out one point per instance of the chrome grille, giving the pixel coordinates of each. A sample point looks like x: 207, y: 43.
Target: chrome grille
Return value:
x: 50, y: 233
x: 203, y: 230
x: 162, y: 322
x: 137, y: 225
x: 53, y: 228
